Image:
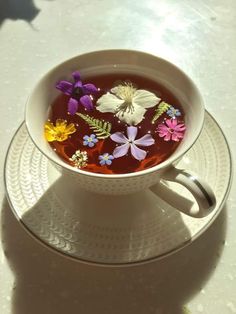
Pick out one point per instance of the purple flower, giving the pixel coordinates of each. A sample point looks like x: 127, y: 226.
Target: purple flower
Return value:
x: 132, y: 143
x: 90, y: 140
x: 79, y: 93
x: 105, y: 159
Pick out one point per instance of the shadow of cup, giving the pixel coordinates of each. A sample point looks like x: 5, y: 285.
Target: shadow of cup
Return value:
x: 46, y: 282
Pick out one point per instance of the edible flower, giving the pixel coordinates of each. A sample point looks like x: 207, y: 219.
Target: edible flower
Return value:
x: 80, y: 158
x: 131, y: 142
x: 90, y: 140
x: 79, y: 93
x: 105, y: 159
x: 127, y: 103
x: 59, y: 132
x: 171, y: 130
x: 172, y: 112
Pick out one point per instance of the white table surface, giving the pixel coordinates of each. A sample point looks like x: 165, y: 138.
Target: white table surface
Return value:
x: 200, y: 37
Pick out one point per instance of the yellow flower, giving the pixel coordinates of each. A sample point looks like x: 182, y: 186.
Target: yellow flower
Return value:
x: 60, y: 132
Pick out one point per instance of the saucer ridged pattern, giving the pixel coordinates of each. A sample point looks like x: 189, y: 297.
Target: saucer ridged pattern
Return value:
x: 150, y: 233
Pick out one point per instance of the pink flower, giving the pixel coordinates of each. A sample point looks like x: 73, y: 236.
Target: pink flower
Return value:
x: 171, y: 130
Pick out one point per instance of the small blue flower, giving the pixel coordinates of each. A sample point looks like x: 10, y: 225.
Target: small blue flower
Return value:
x: 105, y: 159
x: 173, y: 113
x: 90, y: 140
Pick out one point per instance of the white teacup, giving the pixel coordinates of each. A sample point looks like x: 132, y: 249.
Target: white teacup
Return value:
x: 120, y: 61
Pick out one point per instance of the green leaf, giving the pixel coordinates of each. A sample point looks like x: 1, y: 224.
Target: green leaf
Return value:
x: 101, y: 128
x: 161, y: 108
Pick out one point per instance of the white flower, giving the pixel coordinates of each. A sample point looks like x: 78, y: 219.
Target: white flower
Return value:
x: 128, y: 103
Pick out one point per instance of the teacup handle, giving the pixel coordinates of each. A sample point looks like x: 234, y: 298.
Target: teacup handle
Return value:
x: 198, y: 187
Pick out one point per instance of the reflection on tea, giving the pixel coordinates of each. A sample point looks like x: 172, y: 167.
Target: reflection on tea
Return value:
x: 114, y: 123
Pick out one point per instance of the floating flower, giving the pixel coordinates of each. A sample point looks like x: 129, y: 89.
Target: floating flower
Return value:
x: 79, y: 93
x: 90, y: 140
x: 79, y: 159
x: 171, y: 130
x: 128, y: 103
x: 60, y: 132
x: 172, y: 112
x: 131, y: 142
x: 105, y: 159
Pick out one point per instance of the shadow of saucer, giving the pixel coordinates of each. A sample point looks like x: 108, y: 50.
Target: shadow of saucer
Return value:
x: 49, y: 283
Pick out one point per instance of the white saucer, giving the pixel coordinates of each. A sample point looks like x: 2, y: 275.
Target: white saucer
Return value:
x: 137, y: 228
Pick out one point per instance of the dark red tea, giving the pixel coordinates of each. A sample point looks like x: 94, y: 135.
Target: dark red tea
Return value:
x: 89, y: 142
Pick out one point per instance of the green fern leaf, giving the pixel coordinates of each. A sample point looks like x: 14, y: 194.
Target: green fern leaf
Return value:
x: 161, y: 108
x: 101, y: 128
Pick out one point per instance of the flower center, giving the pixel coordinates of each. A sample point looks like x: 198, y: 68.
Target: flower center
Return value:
x: 78, y: 92
x: 171, y: 131
x: 60, y: 134
x: 126, y: 92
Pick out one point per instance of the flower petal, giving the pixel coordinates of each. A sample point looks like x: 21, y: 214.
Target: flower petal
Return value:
x: 167, y: 137
x: 177, y: 134
x: 119, y: 137
x: 175, y: 137
x: 70, y: 128
x: 60, y: 123
x: 108, y: 162
x: 90, y: 144
x: 49, y: 131
x: 121, y: 150
x: 86, y: 137
x: 76, y: 76
x: 162, y: 127
x: 162, y: 134
x: 171, y: 123
x: 132, y: 118
x: 72, y: 106
x: 145, y: 99
x: 115, y: 89
x: 78, y: 84
x: 132, y: 132
x: 180, y: 127
x: 138, y: 153
x: 111, y: 157
x: 108, y: 103
x: 89, y: 88
x: 65, y: 87
x: 146, y: 140
x: 86, y: 102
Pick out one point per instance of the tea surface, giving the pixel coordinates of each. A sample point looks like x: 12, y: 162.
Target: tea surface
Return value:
x: 166, y: 137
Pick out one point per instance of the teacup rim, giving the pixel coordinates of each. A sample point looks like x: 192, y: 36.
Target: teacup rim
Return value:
x: 165, y: 164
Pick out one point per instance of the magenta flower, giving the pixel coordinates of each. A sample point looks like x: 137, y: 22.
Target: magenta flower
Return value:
x: 79, y: 93
x: 171, y: 130
x: 131, y: 142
